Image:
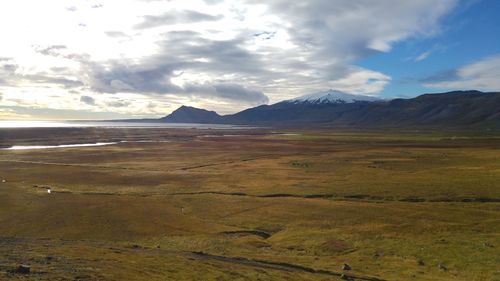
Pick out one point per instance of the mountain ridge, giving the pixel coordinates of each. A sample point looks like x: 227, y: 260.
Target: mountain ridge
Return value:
x: 331, y: 96
x: 189, y: 114
x: 451, y: 109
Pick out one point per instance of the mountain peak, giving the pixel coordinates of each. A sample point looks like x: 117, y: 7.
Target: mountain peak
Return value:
x: 189, y: 114
x: 331, y: 97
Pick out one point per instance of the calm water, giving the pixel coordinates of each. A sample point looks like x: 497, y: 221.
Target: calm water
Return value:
x: 69, y: 124
x: 26, y: 147
x: 75, y: 124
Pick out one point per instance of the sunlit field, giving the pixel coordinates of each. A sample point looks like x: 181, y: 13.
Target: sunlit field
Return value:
x: 249, y: 205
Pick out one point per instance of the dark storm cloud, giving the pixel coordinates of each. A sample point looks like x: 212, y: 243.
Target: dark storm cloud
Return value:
x: 87, y: 100
x: 175, y: 17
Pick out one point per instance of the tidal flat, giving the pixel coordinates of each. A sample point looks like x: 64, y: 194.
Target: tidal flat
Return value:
x: 249, y: 204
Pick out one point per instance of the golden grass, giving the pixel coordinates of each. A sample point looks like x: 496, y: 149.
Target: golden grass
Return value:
x: 136, y: 211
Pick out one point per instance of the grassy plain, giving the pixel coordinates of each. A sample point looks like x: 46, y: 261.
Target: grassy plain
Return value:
x: 250, y: 205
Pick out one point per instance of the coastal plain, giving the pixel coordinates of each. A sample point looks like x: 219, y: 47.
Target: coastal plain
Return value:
x: 254, y: 204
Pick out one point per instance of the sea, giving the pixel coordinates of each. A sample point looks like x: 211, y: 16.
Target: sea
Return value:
x: 10, y: 124
x: 112, y: 124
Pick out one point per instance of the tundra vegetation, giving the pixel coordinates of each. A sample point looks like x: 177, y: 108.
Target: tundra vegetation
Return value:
x: 257, y: 204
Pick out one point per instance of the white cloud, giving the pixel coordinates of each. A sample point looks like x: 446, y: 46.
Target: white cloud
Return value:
x: 129, y: 54
x: 8, y: 113
x: 482, y: 75
x: 423, y: 56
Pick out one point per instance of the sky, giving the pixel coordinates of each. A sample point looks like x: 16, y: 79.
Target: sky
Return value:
x: 105, y: 59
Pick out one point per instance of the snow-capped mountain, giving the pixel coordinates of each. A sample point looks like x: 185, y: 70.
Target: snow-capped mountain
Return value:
x: 458, y: 109
x: 331, y: 96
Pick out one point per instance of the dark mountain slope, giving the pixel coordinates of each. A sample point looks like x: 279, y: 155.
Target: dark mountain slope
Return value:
x: 453, y: 109
x: 187, y: 114
x: 459, y: 109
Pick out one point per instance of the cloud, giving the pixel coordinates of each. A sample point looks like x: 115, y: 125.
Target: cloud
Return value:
x: 436, y: 48
x: 213, y: 2
x: 481, y: 75
x: 87, y: 100
x: 9, y: 113
x: 156, y: 79
x: 45, y: 79
x: 61, y: 51
x: 118, y: 103
x: 357, y: 28
x: 213, y: 53
x: 423, y: 56
x: 19, y: 113
x: 8, y: 70
x: 117, y: 77
x: 175, y: 17
x: 115, y: 34
x: 237, y: 92
x: 9, y: 76
x: 231, y: 92
x: 181, y: 52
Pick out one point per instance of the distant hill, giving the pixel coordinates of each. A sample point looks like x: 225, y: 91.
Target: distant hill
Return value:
x: 332, y: 108
x: 188, y: 114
